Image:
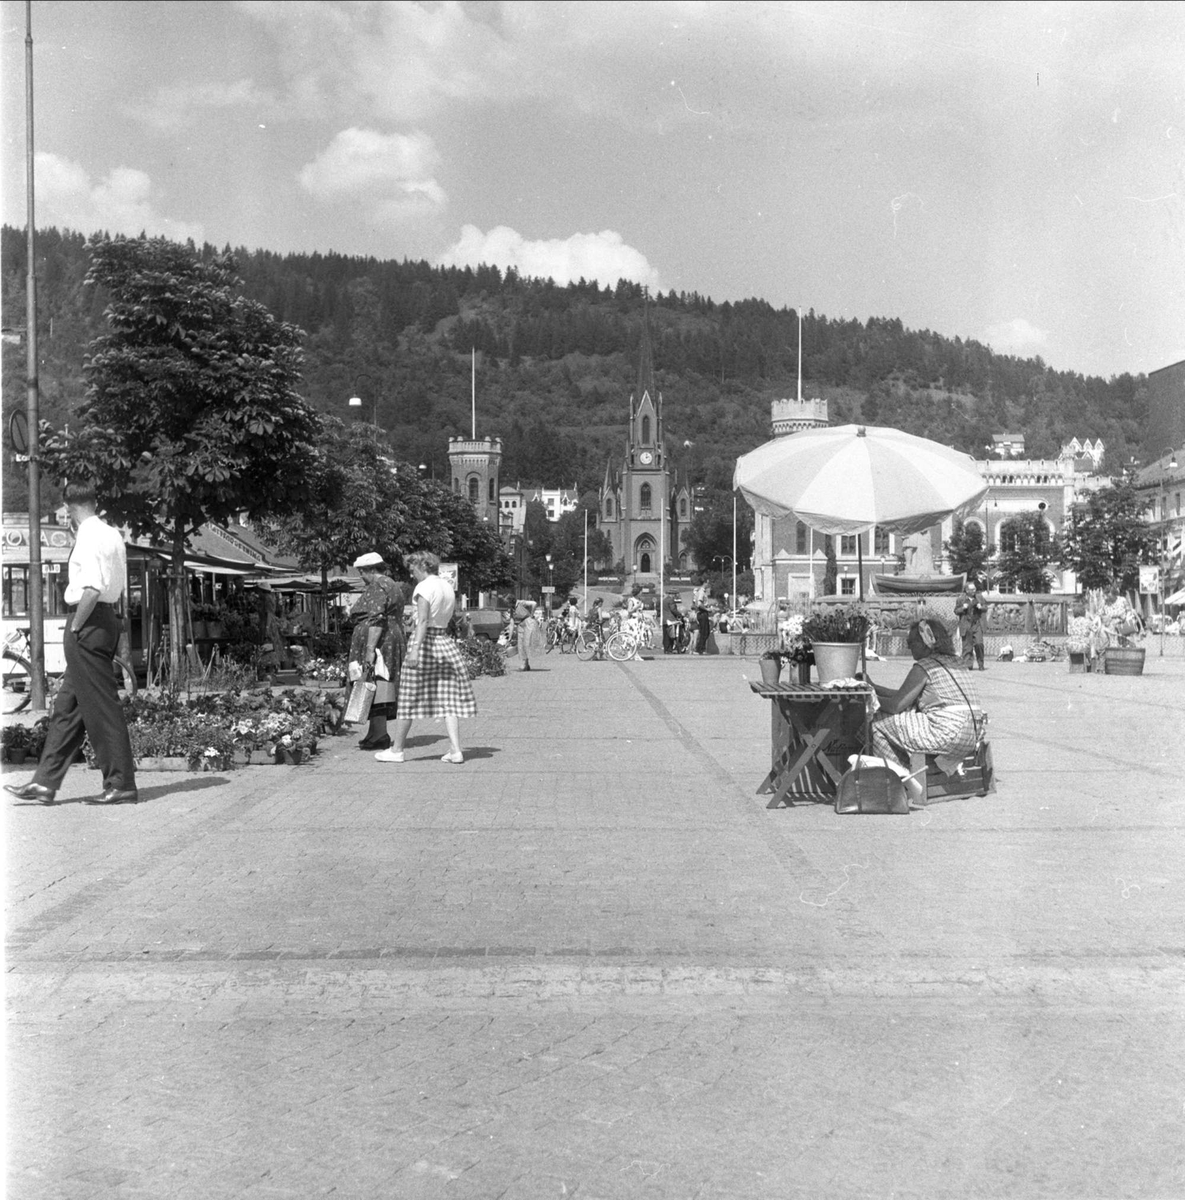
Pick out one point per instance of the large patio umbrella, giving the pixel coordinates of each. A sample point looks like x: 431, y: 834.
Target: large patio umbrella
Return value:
x: 848, y: 478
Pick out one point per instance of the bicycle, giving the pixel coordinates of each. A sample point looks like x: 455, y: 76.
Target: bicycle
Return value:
x: 18, y: 672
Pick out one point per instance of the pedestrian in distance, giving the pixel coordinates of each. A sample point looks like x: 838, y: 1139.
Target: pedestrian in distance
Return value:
x: 529, y: 634
x: 703, y: 628
x: 672, y: 622
x: 87, y: 703
x: 434, y: 681
x: 377, y: 644
x: 971, y: 610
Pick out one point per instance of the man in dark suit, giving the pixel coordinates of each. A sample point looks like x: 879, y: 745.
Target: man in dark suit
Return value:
x: 88, y: 701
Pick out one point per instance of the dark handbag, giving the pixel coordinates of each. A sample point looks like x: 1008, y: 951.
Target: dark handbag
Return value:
x: 871, y: 790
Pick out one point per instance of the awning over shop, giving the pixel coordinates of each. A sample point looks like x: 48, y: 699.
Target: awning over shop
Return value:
x: 200, y: 562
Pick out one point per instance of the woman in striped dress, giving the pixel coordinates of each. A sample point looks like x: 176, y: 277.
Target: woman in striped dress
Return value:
x: 931, y: 712
x: 434, y: 681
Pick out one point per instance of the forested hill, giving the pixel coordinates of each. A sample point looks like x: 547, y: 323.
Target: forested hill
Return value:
x: 556, y: 365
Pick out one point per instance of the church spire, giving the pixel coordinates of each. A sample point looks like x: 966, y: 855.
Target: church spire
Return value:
x: 645, y: 358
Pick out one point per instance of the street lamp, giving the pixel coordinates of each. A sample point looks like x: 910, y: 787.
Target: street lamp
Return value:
x: 357, y: 402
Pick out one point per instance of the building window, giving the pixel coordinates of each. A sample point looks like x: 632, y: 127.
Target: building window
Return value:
x: 682, y: 508
x: 881, y: 543
x: 847, y: 586
x: 645, y: 431
x: 456, y: 485
x: 644, y: 497
x: 609, y: 510
x: 644, y: 563
x: 492, y: 496
x: 801, y: 539
x: 847, y: 545
x: 474, y: 489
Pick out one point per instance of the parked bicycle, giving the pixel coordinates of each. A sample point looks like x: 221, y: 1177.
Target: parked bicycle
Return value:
x: 18, y: 672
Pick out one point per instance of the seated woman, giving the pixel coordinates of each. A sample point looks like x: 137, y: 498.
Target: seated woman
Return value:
x: 931, y: 712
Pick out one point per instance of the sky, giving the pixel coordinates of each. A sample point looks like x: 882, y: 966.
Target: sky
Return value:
x: 1013, y: 173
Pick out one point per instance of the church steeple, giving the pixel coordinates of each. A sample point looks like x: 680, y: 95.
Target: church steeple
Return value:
x: 645, y: 359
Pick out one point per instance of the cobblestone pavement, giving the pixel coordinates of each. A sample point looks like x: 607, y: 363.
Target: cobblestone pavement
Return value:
x: 591, y: 963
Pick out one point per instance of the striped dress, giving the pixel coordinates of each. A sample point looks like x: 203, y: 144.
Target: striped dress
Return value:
x: 941, y: 723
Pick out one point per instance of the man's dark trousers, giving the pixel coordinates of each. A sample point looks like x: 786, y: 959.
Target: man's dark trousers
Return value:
x: 88, y: 702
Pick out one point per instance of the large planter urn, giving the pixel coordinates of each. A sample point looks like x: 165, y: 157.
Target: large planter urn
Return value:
x: 836, y: 660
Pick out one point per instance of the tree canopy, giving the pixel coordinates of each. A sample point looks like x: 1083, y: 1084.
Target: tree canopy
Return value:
x: 1106, y: 538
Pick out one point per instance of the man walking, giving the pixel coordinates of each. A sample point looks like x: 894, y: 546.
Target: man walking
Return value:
x: 971, y: 610
x: 88, y: 701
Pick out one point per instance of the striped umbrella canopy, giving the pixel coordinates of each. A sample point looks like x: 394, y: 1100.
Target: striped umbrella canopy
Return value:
x: 848, y: 478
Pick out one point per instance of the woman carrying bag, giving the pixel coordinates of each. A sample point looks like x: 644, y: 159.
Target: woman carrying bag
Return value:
x: 377, y: 645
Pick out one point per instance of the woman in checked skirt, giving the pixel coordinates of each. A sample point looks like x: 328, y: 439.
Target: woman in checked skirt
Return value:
x: 433, y: 681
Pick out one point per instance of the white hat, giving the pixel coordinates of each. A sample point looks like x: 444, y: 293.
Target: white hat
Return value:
x: 369, y: 560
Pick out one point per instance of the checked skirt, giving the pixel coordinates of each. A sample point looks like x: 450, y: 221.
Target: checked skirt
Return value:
x: 439, y: 686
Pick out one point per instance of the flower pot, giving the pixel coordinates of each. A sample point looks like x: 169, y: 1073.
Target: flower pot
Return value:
x: 17, y: 754
x: 771, y: 669
x: 1123, y: 660
x: 836, y: 660
x: 804, y: 672
x: 1077, y: 661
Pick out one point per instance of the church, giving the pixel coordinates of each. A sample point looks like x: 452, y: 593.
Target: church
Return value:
x: 645, y: 503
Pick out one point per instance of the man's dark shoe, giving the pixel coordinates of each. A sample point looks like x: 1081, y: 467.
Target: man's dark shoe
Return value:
x: 31, y: 791
x: 115, y: 796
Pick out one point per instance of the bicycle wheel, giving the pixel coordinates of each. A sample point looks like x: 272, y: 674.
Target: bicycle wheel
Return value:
x: 18, y: 676
x: 551, y: 638
x: 621, y: 646
x: 586, y: 645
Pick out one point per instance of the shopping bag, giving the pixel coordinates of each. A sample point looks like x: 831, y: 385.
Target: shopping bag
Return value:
x: 361, y: 698
x: 871, y: 790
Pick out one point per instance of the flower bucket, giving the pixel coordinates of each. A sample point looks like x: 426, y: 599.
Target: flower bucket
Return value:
x: 771, y: 669
x: 1123, y: 660
x: 836, y: 660
x: 804, y: 672
x: 1077, y: 661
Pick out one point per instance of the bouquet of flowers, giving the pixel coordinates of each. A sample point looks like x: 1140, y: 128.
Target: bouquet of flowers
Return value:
x: 837, y: 623
x: 795, y: 645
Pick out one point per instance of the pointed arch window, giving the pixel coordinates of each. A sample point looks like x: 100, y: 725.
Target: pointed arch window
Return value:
x: 644, y: 498
x: 474, y: 489
x: 609, y: 508
x: 644, y: 564
x: 645, y: 431
x: 683, y: 506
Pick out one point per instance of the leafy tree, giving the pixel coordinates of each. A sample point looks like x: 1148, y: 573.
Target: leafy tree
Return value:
x: 191, y: 414
x: 1106, y: 537
x: 831, y: 568
x: 709, y: 534
x: 1026, y: 550
x: 567, y: 547
x: 968, y: 553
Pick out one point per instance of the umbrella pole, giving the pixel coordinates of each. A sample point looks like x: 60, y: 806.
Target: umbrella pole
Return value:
x: 860, y: 586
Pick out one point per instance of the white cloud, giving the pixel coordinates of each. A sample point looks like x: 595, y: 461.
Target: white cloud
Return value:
x: 172, y: 108
x: 601, y: 256
x: 120, y: 203
x: 393, y: 172
x: 1017, y: 336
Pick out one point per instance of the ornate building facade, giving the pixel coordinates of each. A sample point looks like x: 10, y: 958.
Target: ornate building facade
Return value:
x: 475, y: 463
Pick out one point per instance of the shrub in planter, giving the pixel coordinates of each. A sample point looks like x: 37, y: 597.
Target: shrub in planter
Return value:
x: 837, y: 623
x: 482, y: 657
x: 16, y: 740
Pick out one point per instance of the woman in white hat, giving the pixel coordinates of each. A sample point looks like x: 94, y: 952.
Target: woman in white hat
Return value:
x: 377, y: 643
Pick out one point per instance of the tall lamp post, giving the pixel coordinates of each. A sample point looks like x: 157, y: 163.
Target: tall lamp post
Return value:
x: 550, y: 586
x: 356, y: 401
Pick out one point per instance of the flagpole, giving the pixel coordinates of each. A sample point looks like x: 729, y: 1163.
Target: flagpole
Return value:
x: 586, y: 560
x: 473, y: 390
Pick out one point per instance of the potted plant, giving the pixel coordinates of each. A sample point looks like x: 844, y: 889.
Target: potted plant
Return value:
x: 796, y: 646
x: 771, y: 666
x: 16, y: 740
x: 836, y: 632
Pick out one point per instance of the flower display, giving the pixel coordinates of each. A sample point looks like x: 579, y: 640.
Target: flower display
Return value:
x: 838, y: 623
x: 795, y: 646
